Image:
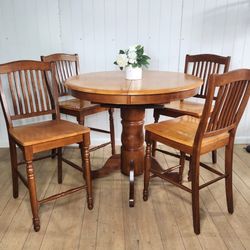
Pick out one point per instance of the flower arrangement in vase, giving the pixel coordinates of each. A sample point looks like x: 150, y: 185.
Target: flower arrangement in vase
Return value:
x: 133, y: 59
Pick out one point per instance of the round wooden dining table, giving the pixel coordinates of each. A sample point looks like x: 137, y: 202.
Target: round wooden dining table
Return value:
x: 132, y: 97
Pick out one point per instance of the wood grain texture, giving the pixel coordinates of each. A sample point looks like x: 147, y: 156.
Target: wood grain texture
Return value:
x: 152, y: 82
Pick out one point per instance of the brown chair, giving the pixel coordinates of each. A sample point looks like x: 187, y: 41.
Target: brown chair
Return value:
x: 198, y: 136
x: 25, y: 91
x: 201, y: 66
x: 67, y: 65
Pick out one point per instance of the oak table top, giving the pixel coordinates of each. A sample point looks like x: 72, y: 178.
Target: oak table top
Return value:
x: 156, y: 87
x: 132, y: 97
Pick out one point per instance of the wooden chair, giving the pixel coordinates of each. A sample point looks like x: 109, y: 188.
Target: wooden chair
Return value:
x: 198, y: 136
x: 201, y: 66
x: 25, y: 91
x: 67, y: 65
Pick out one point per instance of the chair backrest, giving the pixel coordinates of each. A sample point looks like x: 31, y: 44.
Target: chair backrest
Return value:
x: 27, y: 89
x: 204, y: 65
x: 233, y: 90
x: 67, y: 65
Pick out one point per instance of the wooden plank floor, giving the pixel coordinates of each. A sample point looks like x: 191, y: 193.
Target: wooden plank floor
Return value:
x: 163, y: 222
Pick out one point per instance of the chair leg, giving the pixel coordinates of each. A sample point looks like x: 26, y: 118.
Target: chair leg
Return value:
x: 59, y: 165
x: 190, y: 169
x: 195, y: 165
x: 33, y: 195
x: 156, y: 119
x: 228, y: 179
x: 182, y: 164
x: 87, y: 171
x: 112, y: 130
x: 53, y: 153
x: 80, y: 120
x: 13, y: 157
x: 214, y: 156
x: 147, y: 166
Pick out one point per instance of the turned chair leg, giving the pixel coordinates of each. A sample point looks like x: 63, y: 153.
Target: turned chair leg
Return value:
x: 13, y: 158
x: 154, y: 144
x: 59, y: 165
x: 190, y: 169
x: 228, y: 179
x: 112, y: 129
x: 195, y: 193
x: 182, y: 164
x: 147, y: 166
x: 214, y: 156
x: 87, y: 170
x: 32, y: 192
x: 81, y: 121
x: 53, y: 153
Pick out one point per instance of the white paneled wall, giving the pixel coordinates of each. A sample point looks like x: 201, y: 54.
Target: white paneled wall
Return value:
x: 97, y: 29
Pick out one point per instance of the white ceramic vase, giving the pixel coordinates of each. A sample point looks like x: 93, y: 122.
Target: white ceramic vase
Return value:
x: 133, y: 73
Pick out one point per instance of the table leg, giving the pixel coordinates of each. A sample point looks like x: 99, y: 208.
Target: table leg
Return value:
x: 132, y: 139
x: 131, y: 185
x: 132, y: 150
x: 131, y: 160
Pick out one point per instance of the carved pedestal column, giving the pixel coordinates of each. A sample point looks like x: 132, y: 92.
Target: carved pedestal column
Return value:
x: 132, y: 139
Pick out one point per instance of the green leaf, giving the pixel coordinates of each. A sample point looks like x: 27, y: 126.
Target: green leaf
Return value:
x: 115, y: 63
x: 121, y: 51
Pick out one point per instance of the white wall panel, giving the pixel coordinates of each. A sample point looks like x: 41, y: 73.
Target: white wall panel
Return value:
x: 97, y: 29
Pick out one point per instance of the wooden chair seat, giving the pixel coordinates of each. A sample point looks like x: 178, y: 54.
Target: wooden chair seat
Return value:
x: 46, y: 132
x: 180, y: 132
x: 178, y: 108
x: 85, y: 107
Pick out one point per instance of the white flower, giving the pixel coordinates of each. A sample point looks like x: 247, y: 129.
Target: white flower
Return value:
x: 132, y: 48
x: 132, y: 57
x: 132, y: 61
x: 122, y: 60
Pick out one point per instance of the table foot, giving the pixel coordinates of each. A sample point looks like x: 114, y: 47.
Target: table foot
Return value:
x: 131, y: 185
x: 112, y: 164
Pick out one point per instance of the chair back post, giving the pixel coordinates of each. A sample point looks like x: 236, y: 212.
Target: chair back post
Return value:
x: 5, y: 108
x: 77, y: 64
x: 55, y: 92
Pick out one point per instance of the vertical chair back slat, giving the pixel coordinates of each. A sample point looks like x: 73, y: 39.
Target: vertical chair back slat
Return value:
x: 46, y: 94
x: 233, y: 94
x: 29, y: 89
x: 18, y: 93
x: 34, y: 88
x: 204, y: 65
x: 23, y: 91
x: 13, y: 93
x: 40, y: 93
x: 26, y: 91
x: 66, y: 66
